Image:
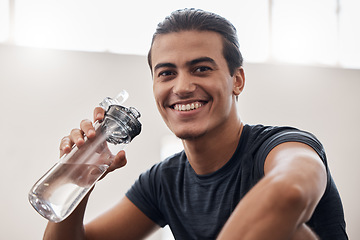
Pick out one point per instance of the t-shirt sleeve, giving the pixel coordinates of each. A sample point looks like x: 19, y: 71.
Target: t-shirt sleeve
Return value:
x: 145, y: 194
x: 289, y: 135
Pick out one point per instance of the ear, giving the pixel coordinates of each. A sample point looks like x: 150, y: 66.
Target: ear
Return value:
x: 239, y: 81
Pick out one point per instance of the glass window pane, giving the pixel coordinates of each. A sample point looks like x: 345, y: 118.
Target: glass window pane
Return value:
x: 350, y: 33
x: 305, y: 31
x: 4, y: 20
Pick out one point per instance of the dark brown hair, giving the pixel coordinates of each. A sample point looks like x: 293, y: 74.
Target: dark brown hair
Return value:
x: 199, y: 20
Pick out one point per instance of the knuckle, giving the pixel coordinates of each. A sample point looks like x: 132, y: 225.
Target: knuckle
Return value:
x: 65, y: 141
x: 98, y: 113
x: 99, y: 110
x: 75, y: 131
x: 85, y: 123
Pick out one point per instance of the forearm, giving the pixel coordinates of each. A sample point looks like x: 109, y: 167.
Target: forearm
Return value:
x: 278, y: 206
x: 71, y: 228
x: 271, y: 210
x: 304, y: 232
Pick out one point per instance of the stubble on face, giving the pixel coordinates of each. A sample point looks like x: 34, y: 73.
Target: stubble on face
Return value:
x: 174, y: 51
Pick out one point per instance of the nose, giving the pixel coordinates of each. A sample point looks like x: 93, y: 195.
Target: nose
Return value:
x: 183, y: 85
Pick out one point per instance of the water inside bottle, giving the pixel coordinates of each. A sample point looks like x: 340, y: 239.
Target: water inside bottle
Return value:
x: 52, y: 199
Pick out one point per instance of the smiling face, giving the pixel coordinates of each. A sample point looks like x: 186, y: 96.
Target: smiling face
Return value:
x: 192, y: 85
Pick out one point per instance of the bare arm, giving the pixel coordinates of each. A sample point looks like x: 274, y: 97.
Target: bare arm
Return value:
x: 70, y: 228
x: 303, y: 232
x: 278, y: 206
x: 124, y: 221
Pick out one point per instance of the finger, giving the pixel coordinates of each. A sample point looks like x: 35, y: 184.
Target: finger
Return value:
x: 99, y: 114
x: 65, y: 145
x: 87, y: 127
x: 77, y: 137
x: 119, y: 161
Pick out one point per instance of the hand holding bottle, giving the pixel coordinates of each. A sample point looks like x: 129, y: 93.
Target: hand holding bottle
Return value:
x: 77, y: 137
x: 87, y: 154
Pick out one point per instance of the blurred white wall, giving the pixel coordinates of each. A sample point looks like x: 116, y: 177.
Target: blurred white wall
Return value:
x: 45, y: 93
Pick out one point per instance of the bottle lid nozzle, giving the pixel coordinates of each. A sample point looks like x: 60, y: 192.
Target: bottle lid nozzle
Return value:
x: 118, y: 100
x: 121, y: 97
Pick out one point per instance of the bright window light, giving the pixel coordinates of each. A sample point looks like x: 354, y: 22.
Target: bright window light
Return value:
x: 350, y: 34
x: 251, y: 19
x: 304, y: 31
x: 4, y: 20
x: 110, y: 25
x: 300, y: 31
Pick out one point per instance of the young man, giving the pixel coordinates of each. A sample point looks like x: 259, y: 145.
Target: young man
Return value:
x: 232, y: 181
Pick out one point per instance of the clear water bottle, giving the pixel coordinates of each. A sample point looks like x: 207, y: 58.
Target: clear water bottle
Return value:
x: 56, y: 194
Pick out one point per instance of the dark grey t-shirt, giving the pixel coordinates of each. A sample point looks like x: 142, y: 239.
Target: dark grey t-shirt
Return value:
x: 197, y: 206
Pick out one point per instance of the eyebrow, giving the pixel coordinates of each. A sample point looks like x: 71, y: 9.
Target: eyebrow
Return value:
x: 189, y: 63
x: 161, y: 65
x: 200, y: 60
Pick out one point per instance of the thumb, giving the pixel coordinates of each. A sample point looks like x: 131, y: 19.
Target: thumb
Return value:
x: 119, y: 161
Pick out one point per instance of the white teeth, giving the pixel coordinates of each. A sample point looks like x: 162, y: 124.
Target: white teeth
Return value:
x: 187, y: 107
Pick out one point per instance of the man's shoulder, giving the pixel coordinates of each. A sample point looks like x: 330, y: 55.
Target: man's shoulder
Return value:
x: 258, y: 133
x: 260, y: 129
x: 260, y: 137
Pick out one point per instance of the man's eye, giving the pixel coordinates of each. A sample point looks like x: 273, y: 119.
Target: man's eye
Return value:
x: 165, y: 73
x: 202, y: 69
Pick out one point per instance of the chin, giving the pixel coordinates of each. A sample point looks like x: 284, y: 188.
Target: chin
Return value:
x: 189, y: 135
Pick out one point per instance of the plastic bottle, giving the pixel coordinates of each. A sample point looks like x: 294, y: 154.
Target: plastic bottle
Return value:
x: 56, y: 194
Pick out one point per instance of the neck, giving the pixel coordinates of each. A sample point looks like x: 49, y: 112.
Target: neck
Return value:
x: 211, y: 152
